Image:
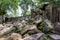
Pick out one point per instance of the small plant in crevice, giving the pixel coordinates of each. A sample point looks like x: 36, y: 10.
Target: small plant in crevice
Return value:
x: 41, y: 26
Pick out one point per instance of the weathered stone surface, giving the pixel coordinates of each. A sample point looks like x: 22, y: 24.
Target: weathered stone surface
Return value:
x: 14, y: 36
x: 48, y: 23
x: 2, y: 38
x: 57, y: 27
x: 6, y: 30
x: 38, y: 21
x: 1, y: 26
x: 8, y: 25
x: 55, y: 37
x: 34, y: 37
x: 1, y: 19
x: 28, y: 27
x: 26, y: 35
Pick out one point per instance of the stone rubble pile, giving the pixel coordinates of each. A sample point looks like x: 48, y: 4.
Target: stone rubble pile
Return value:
x: 22, y: 30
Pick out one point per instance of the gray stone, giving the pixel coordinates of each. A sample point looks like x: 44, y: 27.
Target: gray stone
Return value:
x: 14, y: 36
x: 55, y: 37
x: 6, y: 30
x: 34, y: 37
x: 1, y: 27
x: 57, y: 27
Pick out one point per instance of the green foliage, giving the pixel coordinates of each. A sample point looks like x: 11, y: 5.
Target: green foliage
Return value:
x: 41, y: 26
x: 57, y: 3
x: 43, y: 1
x: 2, y: 11
x: 28, y: 12
x: 24, y: 5
x: 7, y: 5
x: 13, y: 4
x: 15, y: 13
x: 44, y: 29
x: 4, y: 4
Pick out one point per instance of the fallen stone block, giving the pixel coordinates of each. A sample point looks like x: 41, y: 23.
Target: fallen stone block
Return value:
x: 55, y: 37
x: 34, y: 37
x: 57, y: 27
x: 6, y: 30
x: 2, y: 38
x: 14, y: 36
x: 1, y: 27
